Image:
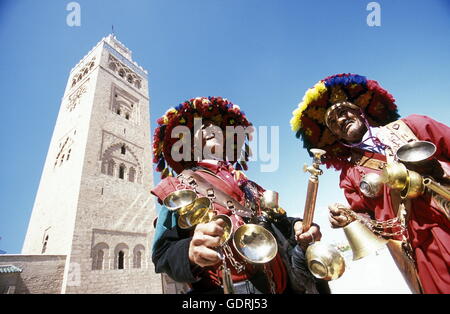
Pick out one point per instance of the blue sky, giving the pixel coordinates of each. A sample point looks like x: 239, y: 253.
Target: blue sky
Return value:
x: 260, y: 54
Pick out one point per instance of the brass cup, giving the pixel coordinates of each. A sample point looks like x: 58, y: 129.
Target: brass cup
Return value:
x: 198, y: 212
x: 416, y: 152
x: 395, y: 175
x: 180, y: 200
x: 255, y: 244
x: 415, y: 186
x: 324, y: 261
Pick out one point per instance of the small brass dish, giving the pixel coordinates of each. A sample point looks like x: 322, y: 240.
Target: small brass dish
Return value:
x: 255, y: 244
x: 180, y: 200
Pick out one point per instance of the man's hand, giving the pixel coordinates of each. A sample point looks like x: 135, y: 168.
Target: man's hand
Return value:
x: 338, y: 217
x: 305, y: 238
x: 206, y: 238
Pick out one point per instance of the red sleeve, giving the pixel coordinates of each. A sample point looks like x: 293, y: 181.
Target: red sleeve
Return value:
x: 427, y: 129
x: 164, y: 188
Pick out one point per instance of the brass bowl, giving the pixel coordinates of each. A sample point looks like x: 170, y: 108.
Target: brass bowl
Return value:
x: 395, y: 175
x: 199, y: 212
x: 324, y: 261
x: 416, y: 152
x: 255, y: 244
x: 180, y: 200
x: 415, y: 186
x: 227, y: 229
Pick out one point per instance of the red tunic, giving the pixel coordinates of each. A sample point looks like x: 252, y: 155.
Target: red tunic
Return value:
x: 429, y: 230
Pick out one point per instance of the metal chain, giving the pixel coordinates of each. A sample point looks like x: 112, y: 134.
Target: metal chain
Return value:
x: 229, y: 254
x: 374, y: 225
x: 269, y: 276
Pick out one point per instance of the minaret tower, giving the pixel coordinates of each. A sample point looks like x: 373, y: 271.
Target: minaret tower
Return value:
x: 94, y: 203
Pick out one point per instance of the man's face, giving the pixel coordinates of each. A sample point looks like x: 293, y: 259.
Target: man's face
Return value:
x: 347, y: 124
x: 211, y: 140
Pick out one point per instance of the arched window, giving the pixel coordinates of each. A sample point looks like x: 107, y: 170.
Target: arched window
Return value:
x: 121, y: 172
x: 99, y: 260
x: 138, y: 254
x: 121, y: 73
x: 100, y: 252
x: 131, y: 175
x: 120, y: 260
x: 138, y: 260
x: 79, y: 78
x: 111, y: 168
x: 123, y: 150
x: 130, y: 79
x: 91, y: 65
x: 121, y: 256
x: 74, y: 82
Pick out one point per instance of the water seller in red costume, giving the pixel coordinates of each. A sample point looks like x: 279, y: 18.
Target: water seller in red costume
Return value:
x: 356, y: 122
x: 193, y: 252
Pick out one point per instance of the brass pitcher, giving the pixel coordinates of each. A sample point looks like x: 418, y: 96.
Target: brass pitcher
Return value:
x: 323, y: 260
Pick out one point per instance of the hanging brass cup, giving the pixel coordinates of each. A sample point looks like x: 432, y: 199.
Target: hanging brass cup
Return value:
x: 416, y: 153
x: 180, y: 201
x: 255, y: 244
x: 198, y: 212
x: 324, y: 261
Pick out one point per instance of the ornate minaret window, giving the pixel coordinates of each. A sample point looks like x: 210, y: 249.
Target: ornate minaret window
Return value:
x: 124, y: 72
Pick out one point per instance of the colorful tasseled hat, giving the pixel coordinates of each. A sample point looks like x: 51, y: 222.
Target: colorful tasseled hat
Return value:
x: 308, y: 121
x: 219, y: 110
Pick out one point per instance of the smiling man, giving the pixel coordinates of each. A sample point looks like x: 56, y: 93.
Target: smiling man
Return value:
x: 190, y: 150
x: 356, y: 122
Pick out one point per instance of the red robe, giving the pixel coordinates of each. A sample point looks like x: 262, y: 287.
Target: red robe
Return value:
x: 429, y: 230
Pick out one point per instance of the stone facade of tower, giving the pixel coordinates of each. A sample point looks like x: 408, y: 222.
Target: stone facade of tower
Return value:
x: 93, y: 205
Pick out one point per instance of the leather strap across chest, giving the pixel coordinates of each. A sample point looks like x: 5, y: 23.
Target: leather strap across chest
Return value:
x: 205, y: 188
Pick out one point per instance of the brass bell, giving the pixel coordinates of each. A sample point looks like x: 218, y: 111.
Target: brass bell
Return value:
x: 362, y: 241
